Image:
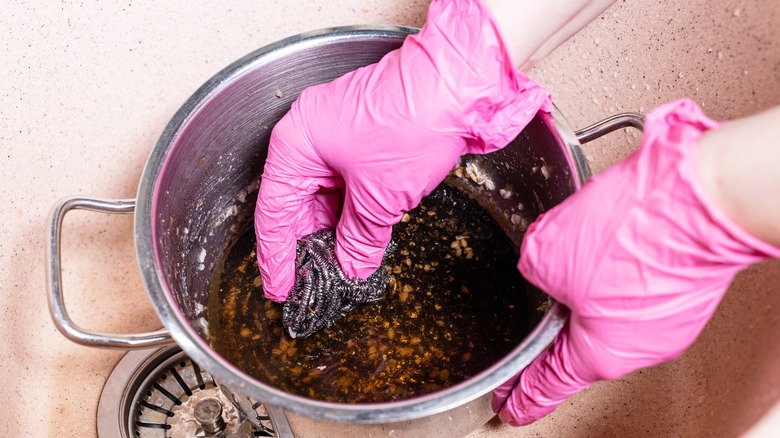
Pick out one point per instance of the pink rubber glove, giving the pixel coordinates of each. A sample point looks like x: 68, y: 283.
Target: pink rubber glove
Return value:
x: 385, y: 135
x: 640, y: 258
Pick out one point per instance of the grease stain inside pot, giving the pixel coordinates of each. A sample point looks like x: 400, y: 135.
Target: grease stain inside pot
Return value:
x: 455, y: 305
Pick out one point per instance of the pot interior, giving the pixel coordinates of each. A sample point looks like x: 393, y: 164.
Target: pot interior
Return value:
x: 204, y: 173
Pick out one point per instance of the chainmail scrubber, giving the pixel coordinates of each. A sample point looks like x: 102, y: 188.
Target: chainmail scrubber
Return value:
x: 322, y: 292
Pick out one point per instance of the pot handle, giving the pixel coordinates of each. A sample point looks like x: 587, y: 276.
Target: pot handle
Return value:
x: 54, y: 280
x: 612, y: 123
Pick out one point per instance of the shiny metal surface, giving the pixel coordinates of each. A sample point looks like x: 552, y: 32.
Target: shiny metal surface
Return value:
x: 56, y: 298
x: 208, y: 413
x: 198, y: 185
x: 612, y: 123
x: 198, y: 188
x: 145, y: 397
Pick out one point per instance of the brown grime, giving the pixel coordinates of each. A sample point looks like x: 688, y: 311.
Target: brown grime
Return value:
x: 428, y: 333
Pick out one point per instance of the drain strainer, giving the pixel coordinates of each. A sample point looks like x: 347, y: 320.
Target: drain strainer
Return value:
x: 161, y: 393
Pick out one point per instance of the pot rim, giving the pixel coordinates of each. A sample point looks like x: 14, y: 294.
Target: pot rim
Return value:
x: 199, y: 350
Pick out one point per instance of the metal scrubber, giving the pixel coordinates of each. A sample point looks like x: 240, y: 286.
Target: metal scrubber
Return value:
x: 322, y: 293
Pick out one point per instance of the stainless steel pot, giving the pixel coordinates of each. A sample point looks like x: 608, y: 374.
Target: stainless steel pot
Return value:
x: 198, y: 189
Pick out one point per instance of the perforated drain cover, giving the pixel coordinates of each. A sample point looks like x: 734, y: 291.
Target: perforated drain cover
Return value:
x: 159, y: 393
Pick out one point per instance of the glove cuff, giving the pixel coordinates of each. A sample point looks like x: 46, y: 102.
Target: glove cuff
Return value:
x: 742, y: 247
x: 495, y: 101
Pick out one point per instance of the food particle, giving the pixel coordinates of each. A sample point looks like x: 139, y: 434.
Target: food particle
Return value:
x: 545, y: 171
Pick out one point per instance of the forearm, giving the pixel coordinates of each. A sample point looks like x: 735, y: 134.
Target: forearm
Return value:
x: 532, y: 29
x: 739, y: 168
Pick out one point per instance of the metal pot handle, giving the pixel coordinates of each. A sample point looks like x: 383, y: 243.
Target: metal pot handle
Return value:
x: 54, y: 280
x: 612, y: 123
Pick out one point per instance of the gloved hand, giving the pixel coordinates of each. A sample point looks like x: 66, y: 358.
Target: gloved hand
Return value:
x: 385, y: 135
x: 640, y: 258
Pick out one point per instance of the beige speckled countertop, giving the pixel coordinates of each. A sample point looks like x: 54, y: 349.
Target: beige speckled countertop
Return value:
x: 86, y: 88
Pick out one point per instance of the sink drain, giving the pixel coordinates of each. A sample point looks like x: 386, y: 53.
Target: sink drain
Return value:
x: 161, y: 393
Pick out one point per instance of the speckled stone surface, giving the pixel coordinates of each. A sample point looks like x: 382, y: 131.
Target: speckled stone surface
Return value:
x: 86, y: 88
